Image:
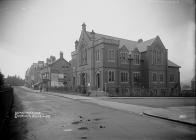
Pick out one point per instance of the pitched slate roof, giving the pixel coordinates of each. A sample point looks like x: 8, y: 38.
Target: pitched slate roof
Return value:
x: 50, y: 65
x: 131, y: 45
x: 172, y: 64
x: 143, y: 46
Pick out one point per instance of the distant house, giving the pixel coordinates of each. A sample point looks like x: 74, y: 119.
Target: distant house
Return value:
x: 193, y: 84
x: 57, y: 73
x: 123, y: 67
x: 32, y: 75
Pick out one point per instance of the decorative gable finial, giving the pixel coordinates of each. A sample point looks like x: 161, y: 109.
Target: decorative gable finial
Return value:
x: 84, y: 26
x: 92, y: 32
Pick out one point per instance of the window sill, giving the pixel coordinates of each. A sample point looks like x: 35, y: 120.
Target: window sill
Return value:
x: 124, y: 63
x: 136, y: 64
x: 111, y: 60
x: 83, y: 64
x: 111, y: 82
x: 124, y: 82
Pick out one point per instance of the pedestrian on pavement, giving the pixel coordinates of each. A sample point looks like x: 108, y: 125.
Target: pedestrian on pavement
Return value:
x: 40, y: 88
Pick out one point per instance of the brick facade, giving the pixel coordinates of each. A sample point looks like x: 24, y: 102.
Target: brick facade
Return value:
x: 122, y: 67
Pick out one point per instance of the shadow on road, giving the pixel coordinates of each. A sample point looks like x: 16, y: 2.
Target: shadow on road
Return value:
x: 16, y: 128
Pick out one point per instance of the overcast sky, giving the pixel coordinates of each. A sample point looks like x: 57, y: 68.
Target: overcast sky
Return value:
x: 32, y: 30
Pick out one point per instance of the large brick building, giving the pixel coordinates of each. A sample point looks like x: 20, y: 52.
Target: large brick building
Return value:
x: 123, y: 67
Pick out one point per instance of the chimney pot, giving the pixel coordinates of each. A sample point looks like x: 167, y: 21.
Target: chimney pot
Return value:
x: 76, y: 44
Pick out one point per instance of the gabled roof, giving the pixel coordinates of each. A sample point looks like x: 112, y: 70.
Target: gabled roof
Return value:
x: 131, y: 45
x: 50, y: 65
x: 172, y: 64
x: 143, y: 46
x: 128, y: 43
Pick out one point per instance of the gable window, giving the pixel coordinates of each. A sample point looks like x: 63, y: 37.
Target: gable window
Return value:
x: 136, y: 58
x: 97, y: 55
x: 111, y: 76
x: 83, y: 56
x: 123, y: 57
x: 154, y: 76
x: 136, y: 76
x: 111, y: 55
x: 171, y: 78
x: 124, y: 76
x: 157, y: 57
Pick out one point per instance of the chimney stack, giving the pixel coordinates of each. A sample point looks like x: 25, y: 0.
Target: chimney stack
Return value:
x: 140, y: 40
x: 61, y: 55
x: 76, y: 44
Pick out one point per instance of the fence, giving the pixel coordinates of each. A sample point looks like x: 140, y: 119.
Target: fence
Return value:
x: 142, y: 92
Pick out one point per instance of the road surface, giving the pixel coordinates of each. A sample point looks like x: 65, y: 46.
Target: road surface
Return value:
x: 48, y: 117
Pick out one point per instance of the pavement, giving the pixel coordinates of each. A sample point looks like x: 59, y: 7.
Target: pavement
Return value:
x: 184, y: 114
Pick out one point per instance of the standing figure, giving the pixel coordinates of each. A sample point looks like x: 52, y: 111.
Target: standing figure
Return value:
x: 40, y: 87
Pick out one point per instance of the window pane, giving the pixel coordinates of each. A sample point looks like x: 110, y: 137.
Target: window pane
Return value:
x: 154, y: 77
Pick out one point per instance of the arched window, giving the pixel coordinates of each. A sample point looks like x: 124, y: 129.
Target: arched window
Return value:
x: 83, y: 56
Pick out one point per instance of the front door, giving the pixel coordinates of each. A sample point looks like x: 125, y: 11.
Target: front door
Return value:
x: 98, y: 80
x: 82, y: 79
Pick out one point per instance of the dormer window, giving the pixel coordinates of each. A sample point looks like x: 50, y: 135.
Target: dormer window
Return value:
x: 157, y: 57
x: 123, y: 57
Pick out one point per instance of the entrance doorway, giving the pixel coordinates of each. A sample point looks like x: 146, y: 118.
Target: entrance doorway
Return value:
x: 82, y: 79
x: 98, y: 80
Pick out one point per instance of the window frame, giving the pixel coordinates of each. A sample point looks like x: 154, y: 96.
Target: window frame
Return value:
x: 154, y: 73
x: 173, y: 79
x: 111, y: 58
x: 137, y: 76
x: 124, y: 77
x: 161, y: 74
x: 136, y: 58
x: 157, y: 56
x: 97, y: 55
x: 124, y: 57
x: 112, y: 76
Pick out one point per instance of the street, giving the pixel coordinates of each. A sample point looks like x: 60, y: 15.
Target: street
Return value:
x: 72, y: 119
